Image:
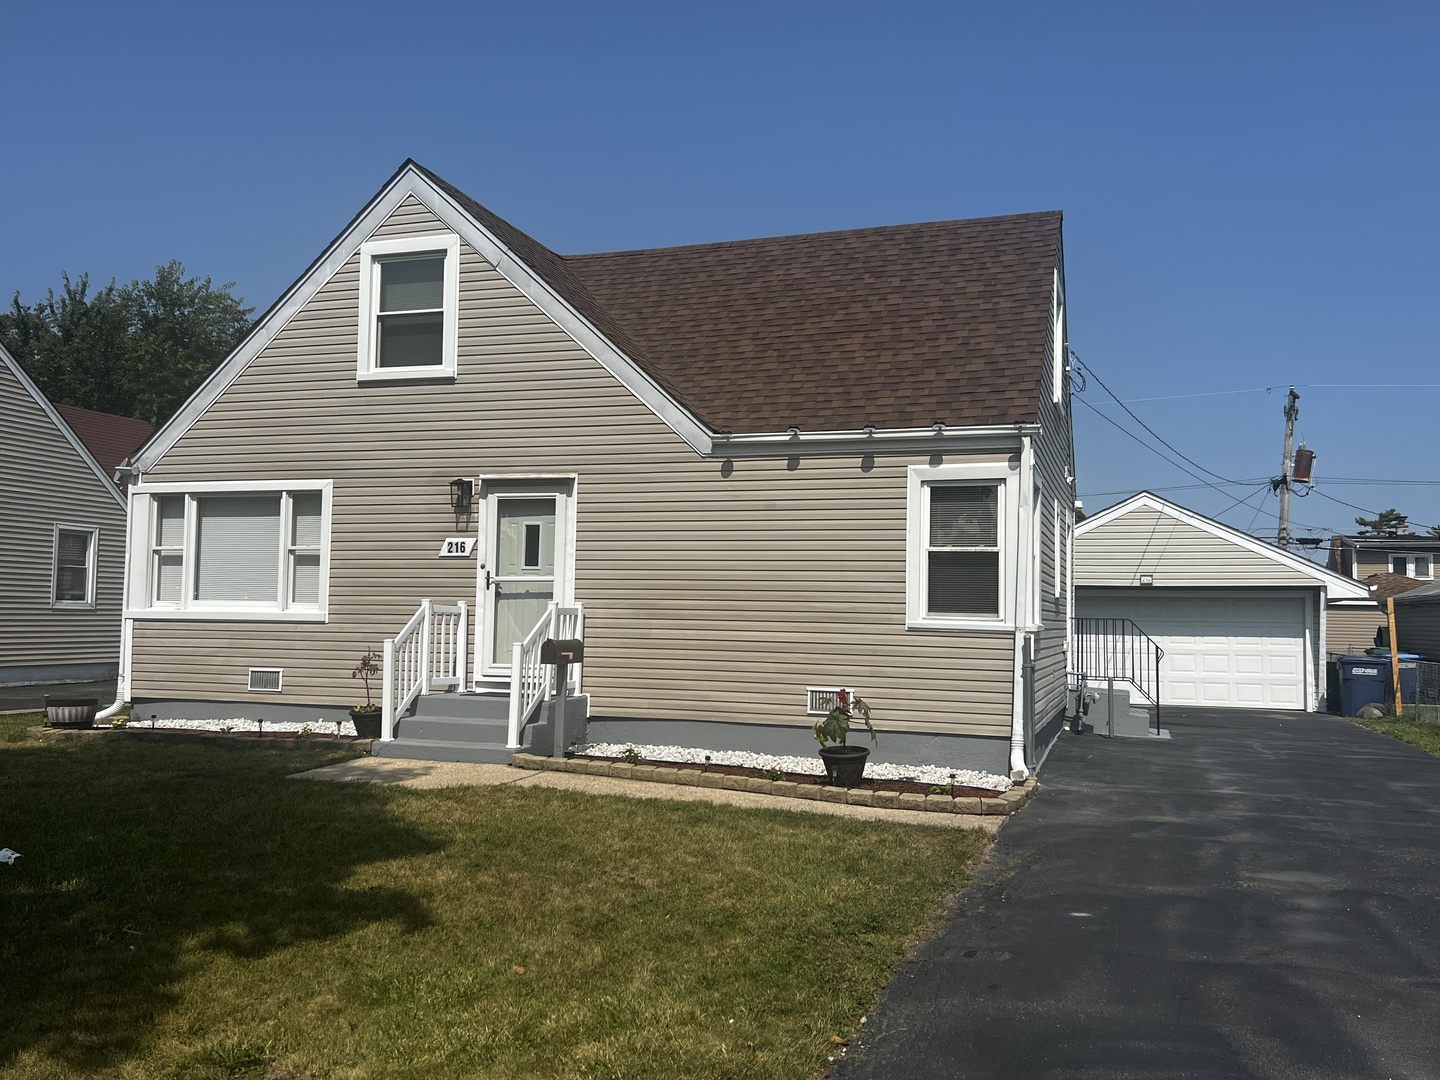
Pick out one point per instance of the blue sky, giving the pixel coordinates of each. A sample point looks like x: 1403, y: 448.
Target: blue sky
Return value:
x: 1249, y: 189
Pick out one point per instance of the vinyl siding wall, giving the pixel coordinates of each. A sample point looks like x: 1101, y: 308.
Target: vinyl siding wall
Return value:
x: 1054, y: 460
x: 1145, y: 541
x: 45, y: 481
x: 1417, y: 627
x: 1352, y: 629
x: 708, y: 596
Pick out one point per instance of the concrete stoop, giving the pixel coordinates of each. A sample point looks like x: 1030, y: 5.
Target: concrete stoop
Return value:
x: 471, y: 728
x: 1131, y: 721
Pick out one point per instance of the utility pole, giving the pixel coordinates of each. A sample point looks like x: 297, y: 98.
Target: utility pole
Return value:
x: 1292, y: 412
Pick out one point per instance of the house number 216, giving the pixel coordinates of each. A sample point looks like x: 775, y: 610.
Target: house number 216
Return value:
x: 457, y: 547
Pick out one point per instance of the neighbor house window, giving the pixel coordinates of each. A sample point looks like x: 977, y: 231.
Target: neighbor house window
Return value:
x: 1416, y: 566
x: 242, y: 550
x: 73, y: 576
x: 409, y: 290
x: 957, y: 562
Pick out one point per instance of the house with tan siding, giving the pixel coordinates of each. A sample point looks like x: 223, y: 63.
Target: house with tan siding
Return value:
x: 63, y: 553
x: 746, y: 474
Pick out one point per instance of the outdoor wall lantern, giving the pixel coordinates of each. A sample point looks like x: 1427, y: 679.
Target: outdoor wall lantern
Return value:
x: 462, y: 491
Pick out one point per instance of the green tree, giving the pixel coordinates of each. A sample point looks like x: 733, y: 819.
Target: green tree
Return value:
x: 138, y: 350
x: 1389, y: 522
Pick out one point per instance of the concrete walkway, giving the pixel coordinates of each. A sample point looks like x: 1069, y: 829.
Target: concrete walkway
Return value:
x: 437, y: 774
x: 1257, y: 897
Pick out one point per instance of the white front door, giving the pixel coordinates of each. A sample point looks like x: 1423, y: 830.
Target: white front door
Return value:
x: 525, y: 566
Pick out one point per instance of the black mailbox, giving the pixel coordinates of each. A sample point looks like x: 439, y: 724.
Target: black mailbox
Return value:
x: 562, y: 651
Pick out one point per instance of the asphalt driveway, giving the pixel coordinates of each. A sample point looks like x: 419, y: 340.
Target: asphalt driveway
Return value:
x: 1258, y: 896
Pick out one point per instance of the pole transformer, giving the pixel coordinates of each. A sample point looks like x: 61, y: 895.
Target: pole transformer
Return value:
x: 1292, y: 412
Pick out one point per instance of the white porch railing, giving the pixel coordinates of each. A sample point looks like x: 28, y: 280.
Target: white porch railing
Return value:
x: 529, y: 679
x: 430, y: 650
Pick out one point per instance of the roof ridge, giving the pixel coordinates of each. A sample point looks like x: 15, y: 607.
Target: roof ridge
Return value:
x: 827, y: 234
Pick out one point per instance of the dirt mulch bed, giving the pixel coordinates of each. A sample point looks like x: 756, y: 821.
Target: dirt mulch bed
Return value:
x: 809, y: 778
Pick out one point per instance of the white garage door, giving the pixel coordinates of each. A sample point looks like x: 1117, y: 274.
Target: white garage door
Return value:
x: 1234, y: 650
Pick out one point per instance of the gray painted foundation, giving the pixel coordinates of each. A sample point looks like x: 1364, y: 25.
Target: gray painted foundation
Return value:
x: 34, y: 674
x: 986, y: 753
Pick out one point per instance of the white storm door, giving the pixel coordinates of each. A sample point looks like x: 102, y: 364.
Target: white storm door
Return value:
x: 525, y: 569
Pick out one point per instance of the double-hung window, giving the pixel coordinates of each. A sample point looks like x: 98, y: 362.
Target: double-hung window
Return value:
x: 409, y: 307
x: 73, y: 576
x: 232, y: 551
x: 957, y: 567
x: 1415, y: 566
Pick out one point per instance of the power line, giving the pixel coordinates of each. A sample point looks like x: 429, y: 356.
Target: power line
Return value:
x: 1157, y: 453
x: 1091, y: 372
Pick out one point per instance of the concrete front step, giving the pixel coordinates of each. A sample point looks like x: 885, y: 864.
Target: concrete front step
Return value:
x: 464, y: 706
x: 425, y: 728
x: 484, y: 753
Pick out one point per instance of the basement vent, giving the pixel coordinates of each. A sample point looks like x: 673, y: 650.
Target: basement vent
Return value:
x: 266, y: 678
x: 821, y: 699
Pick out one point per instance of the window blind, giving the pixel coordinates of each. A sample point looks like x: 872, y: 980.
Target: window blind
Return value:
x: 72, y: 566
x: 170, y: 540
x: 238, y: 548
x: 305, y: 548
x: 964, y: 516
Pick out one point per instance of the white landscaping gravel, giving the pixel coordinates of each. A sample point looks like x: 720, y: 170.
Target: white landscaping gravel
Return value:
x: 812, y: 766
x: 316, y: 726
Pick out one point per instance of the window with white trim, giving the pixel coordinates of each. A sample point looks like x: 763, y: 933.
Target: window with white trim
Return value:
x: 248, y: 551
x: 409, y: 307
x: 1057, y: 553
x: 72, y: 580
x: 960, y: 552
x: 1415, y: 566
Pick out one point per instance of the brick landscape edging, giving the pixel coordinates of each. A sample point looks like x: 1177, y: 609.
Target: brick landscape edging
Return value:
x: 1005, y: 804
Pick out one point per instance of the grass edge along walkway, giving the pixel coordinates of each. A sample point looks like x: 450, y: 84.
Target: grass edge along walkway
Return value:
x: 183, y: 910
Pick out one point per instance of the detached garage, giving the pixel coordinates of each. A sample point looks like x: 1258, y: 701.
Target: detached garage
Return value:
x: 1241, y: 623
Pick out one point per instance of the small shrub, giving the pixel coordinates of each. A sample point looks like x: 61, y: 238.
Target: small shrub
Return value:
x: 774, y: 774
x: 305, y: 732
x: 631, y: 756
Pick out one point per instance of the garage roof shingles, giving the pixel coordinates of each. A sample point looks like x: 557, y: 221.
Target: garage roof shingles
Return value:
x: 899, y: 326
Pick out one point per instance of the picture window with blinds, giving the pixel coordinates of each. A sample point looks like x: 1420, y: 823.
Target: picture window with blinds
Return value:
x: 73, y: 578
x: 409, y: 307
x: 962, y: 551
x: 260, y: 551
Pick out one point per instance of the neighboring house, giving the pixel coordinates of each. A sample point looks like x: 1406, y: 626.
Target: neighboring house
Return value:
x: 1352, y: 626
x: 765, y: 469
x: 1417, y: 621
x: 1370, y: 553
x: 62, y: 560
x: 1242, y: 624
x: 110, y: 439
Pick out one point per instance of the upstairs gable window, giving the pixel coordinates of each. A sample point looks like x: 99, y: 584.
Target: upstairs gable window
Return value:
x: 1415, y: 566
x: 409, y: 290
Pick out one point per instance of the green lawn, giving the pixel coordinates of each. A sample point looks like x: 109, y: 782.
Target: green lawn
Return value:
x: 1420, y: 726
x: 182, y: 910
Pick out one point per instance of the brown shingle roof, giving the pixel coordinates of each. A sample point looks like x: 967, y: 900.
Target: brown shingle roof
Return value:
x: 1384, y: 586
x: 899, y: 327
x: 109, y: 438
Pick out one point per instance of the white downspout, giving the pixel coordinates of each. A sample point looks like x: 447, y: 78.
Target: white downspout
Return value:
x: 1021, y: 611
x: 127, y: 626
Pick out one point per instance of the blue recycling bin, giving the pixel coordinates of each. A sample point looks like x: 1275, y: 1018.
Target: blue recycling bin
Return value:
x: 1362, y: 682
x: 1409, y: 674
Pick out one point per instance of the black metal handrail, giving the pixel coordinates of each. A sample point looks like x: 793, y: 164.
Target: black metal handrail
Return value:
x: 1118, y: 650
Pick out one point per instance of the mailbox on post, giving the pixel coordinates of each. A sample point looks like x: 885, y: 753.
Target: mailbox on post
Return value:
x: 560, y: 653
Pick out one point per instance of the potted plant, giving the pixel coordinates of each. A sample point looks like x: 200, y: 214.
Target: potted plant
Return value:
x: 367, y: 717
x: 844, y: 764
